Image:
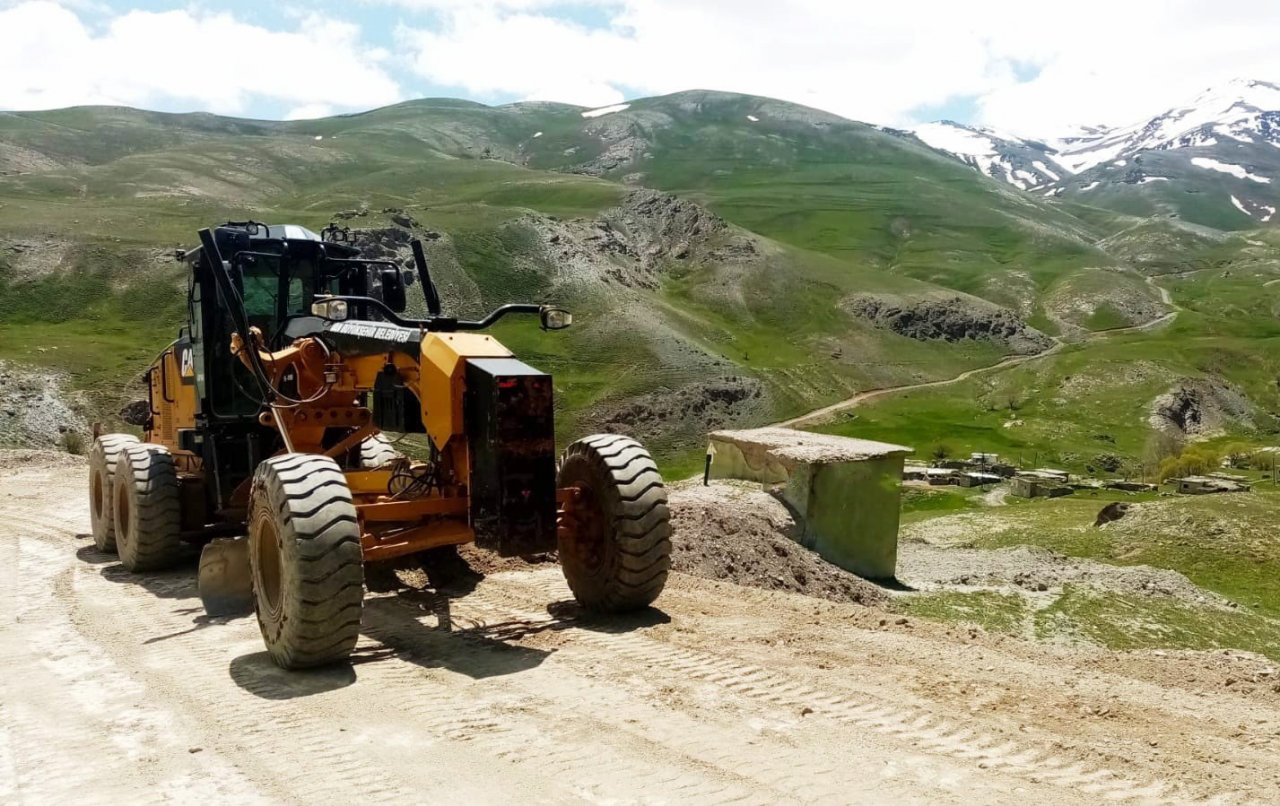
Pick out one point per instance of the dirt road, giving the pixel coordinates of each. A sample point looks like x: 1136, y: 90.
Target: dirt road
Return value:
x: 817, y: 415
x: 824, y: 413
x: 116, y: 688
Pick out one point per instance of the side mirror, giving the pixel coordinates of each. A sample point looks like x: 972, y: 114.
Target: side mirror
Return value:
x: 393, y: 290
x: 555, y: 318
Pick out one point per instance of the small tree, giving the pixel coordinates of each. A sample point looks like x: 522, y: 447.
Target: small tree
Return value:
x: 1195, y: 460
x: 941, y: 452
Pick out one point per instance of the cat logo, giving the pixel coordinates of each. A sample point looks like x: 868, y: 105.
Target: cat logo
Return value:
x: 187, y: 364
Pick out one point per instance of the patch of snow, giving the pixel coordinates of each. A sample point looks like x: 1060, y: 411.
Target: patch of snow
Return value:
x: 1238, y: 171
x: 537, y: 135
x: 1025, y: 179
x: 1194, y: 140
x: 1270, y: 212
x: 1239, y: 206
x: 1225, y: 131
x: 955, y: 139
x: 319, y: 137
x: 1053, y: 192
x: 1120, y: 163
x: 1044, y: 169
x: 606, y: 110
x: 753, y: 118
x: 1089, y: 187
x: 1144, y: 180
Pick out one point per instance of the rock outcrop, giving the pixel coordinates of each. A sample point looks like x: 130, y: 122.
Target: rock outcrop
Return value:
x: 950, y: 319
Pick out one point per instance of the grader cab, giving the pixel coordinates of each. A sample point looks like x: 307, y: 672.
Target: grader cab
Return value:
x: 264, y: 446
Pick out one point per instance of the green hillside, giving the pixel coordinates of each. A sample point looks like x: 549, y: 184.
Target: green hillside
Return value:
x: 726, y: 305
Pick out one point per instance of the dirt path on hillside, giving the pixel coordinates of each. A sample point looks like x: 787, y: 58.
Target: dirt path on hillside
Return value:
x: 116, y: 688
x: 818, y: 415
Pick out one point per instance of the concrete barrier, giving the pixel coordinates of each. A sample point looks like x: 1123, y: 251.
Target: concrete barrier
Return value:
x: 846, y: 492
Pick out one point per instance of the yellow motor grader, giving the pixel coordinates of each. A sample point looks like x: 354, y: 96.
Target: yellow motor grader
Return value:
x: 263, y: 445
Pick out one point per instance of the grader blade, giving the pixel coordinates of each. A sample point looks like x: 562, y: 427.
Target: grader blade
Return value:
x: 225, y: 580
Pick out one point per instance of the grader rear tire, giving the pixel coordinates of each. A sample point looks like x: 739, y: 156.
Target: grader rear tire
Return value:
x: 103, y: 458
x: 147, y: 510
x: 615, y: 546
x: 304, y: 551
x: 377, y: 452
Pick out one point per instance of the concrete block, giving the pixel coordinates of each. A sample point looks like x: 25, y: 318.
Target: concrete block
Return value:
x: 846, y: 492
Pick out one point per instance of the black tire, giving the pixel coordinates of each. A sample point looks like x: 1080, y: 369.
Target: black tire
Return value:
x: 147, y: 510
x: 304, y: 551
x: 615, y: 546
x: 377, y: 452
x: 103, y: 457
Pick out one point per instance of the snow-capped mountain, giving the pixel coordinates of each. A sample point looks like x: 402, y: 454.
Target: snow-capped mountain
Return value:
x: 1241, y: 112
x: 1024, y: 163
x: 1212, y: 161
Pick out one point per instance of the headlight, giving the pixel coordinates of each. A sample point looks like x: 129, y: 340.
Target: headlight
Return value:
x: 332, y: 309
x: 555, y: 318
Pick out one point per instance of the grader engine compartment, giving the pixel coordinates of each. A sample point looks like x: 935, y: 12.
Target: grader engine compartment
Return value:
x: 509, y: 414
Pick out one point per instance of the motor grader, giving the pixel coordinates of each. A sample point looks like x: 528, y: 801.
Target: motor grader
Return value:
x: 263, y: 445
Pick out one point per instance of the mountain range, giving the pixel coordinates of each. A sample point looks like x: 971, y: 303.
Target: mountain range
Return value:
x: 1210, y: 162
x: 731, y: 260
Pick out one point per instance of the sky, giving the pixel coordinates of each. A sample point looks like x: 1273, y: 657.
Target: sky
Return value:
x: 1034, y: 69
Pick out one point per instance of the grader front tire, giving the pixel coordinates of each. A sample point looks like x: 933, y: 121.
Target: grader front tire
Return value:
x: 615, y: 546
x: 147, y: 508
x: 103, y: 459
x: 304, y: 552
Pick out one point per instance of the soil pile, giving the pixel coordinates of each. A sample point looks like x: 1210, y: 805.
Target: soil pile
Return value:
x: 35, y: 411
x: 735, y: 532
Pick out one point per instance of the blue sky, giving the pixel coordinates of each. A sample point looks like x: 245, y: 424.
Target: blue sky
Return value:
x: 1022, y: 67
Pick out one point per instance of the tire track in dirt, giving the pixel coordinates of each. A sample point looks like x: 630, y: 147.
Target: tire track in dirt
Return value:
x: 99, y: 707
x: 910, y: 725
x: 669, y: 734
x: 492, y: 727
x: 251, y: 723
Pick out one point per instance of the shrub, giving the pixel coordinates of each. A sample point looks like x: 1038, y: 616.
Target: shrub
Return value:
x: 73, y: 442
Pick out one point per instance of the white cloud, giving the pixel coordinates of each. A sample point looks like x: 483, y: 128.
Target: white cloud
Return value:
x: 209, y: 61
x: 1093, y: 61
x: 309, y: 112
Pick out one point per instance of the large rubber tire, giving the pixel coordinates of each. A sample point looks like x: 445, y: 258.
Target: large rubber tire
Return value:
x: 147, y: 510
x: 377, y: 452
x: 304, y: 551
x: 615, y: 546
x: 103, y: 457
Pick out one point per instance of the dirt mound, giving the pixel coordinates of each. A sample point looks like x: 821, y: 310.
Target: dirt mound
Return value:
x: 1201, y: 407
x: 949, y: 319
x: 737, y: 533
x: 728, y: 532
x: 35, y: 410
